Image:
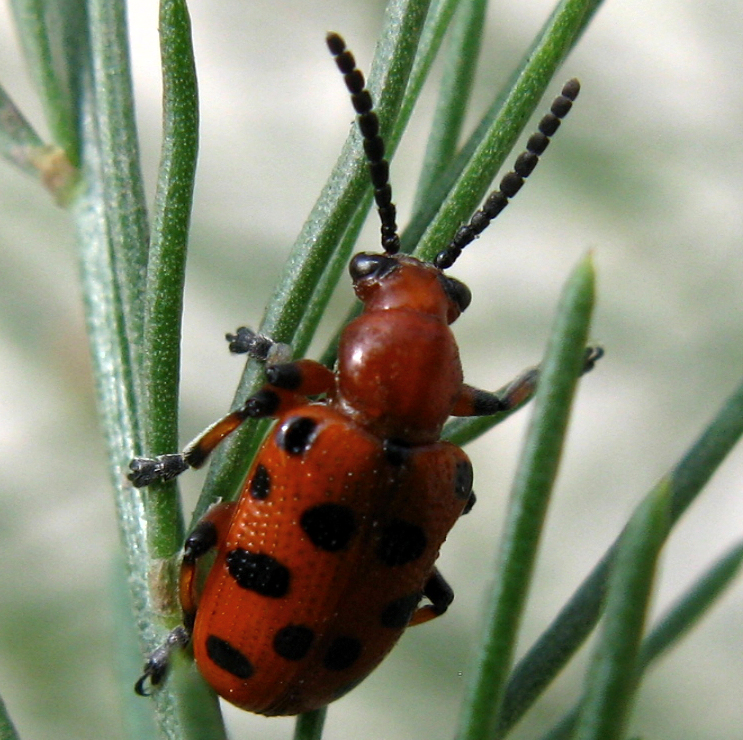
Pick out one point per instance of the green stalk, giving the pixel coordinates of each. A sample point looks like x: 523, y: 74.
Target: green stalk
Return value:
x: 558, y: 643
x: 53, y: 36
x: 463, y: 186
x: 7, y: 728
x: 535, y: 476
x: 613, y: 675
x: 674, y: 624
x: 166, y: 268
x: 120, y: 172
x: 460, y: 63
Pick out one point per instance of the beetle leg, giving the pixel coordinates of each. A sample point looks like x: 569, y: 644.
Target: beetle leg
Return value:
x: 258, y: 346
x: 202, y: 539
x: 476, y: 402
x: 439, y: 593
x: 147, y: 470
x: 156, y: 667
x: 266, y: 402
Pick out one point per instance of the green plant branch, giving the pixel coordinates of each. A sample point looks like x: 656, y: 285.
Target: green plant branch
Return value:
x: 121, y: 174
x: 549, y: 654
x: 613, y: 674
x: 7, y: 728
x: 53, y: 40
x: 18, y: 140
x: 460, y: 64
x: 23, y: 148
x: 529, y: 497
x: 674, y: 624
x: 310, y: 724
x: 110, y: 217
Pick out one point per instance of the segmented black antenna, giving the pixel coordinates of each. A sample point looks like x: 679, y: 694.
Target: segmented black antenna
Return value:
x: 368, y: 122
x: 512, y: 182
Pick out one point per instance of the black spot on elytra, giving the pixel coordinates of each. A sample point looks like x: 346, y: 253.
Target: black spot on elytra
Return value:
x: 397, y: 613
x: 228, y: 658
x: 260, y: 483
x: 296, y: 435
x: 258, y: 572
x: 293, y: 641
x: 329, y: 526
x: 463, y: 479
x: 401, y: 542
x: 342, y: 653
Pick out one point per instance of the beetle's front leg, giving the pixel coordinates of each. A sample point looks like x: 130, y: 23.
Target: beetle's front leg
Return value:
x: 476, y: 402
x: 258, y: 346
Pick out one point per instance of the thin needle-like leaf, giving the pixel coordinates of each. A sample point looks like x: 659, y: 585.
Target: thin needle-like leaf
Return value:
x: 674, y: 624
x: 309, y: 725
x: 7, y: 728
x: 460, y: 63
x: 55, y: 42
x: 535, y: 476
x: 120, y: 172
x: 166, y: 267
x: 460, y: 190
x: 613, y: 674
x: 549, y: 654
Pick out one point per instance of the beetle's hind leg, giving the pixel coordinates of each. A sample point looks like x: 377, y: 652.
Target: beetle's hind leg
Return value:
x: 204, y: 538
x: 156, y: 667
x: 439, y: 593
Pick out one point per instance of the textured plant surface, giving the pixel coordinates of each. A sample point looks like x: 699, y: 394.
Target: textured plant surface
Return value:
x: 132, y: 265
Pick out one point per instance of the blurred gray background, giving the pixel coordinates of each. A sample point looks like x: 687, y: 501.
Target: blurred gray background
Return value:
x: 647, y: 173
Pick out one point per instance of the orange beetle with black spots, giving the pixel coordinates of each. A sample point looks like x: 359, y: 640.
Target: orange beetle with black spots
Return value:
x: 329, y: 553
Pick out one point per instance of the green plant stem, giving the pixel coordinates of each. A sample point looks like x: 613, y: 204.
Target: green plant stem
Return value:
x: 310, y: 724
x: 18, y: 140
x: 535, y: 477
x: 166, y: 268
x: 7, y: 728
x: 549, y: 654
x: 460, y: 64
x: 53, y: 36
x: 120, y: 169
x: 613, y: 675
x: 462, y: 187
x: 674, y: 624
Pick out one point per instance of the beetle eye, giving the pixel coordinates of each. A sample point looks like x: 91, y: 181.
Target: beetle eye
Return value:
x: 457, y: 291
x: 365, y: 265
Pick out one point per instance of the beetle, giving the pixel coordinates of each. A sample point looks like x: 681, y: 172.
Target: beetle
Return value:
x: 329, y: 553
